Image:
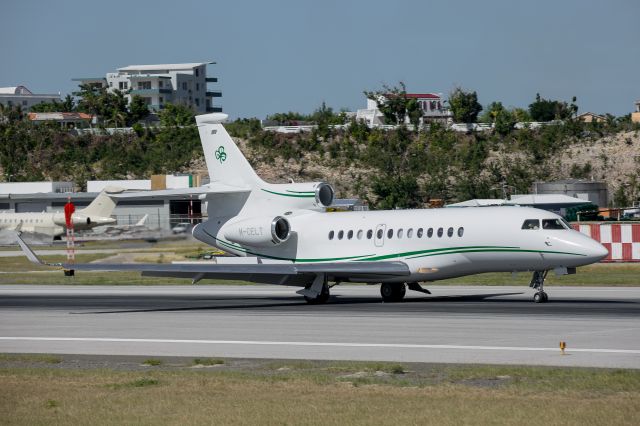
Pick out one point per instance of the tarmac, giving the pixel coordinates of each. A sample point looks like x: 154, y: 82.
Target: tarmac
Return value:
x: 456, y: 324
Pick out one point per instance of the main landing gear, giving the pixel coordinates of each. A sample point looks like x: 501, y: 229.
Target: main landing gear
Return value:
x: 317, y: 292
x: 392, y: 292
x: 537, y: 283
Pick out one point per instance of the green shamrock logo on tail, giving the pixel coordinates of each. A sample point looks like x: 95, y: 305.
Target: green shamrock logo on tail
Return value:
x: 220, y: 154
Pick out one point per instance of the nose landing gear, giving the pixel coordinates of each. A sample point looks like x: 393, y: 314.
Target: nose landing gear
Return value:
x: 537, y: 283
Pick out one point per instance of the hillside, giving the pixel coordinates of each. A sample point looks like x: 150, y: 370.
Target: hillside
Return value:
x: 398, y: 168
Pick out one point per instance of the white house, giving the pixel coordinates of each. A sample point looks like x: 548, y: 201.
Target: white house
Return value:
x: 23, y: 97
x: 432, y: 105
x: 184, y: 84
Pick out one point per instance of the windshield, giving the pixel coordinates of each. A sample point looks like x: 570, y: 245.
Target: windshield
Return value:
x: 531, y: 224
x: 552, y: 224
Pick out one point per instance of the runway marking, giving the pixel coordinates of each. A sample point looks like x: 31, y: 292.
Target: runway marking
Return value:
x: 325, y: 344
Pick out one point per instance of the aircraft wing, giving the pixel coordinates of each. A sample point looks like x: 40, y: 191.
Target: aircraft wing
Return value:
x: 212, y: 188
x: 295, y: 274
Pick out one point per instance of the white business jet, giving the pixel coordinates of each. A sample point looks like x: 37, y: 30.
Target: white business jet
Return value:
x: 288, y: 238
x: 53, y: 224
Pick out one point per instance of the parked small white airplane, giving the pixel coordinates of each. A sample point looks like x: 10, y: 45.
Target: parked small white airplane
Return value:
x: 53, y: 224
x: 293, y: 241
x: 122, y: 229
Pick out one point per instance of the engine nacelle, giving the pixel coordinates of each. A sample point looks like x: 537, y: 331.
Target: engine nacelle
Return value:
x: 310, y: 195
x: 81, y: 221
x: 259, y: 231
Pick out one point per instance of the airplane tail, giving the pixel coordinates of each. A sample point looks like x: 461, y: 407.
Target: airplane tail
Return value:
x: 142, y: 221
x: 103, y: 204
x: 225, y: 161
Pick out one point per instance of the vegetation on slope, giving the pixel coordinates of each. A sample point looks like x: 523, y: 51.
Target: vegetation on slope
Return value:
x: 399, y: 168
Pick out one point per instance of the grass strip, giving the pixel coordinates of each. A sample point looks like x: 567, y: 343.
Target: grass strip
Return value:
x: 292, y: 392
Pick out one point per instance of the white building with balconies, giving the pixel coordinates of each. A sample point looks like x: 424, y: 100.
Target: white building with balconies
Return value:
x: 431, y: 104
x: 184, y: 84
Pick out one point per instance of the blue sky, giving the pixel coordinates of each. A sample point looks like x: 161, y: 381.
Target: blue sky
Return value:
x: 275, y: 56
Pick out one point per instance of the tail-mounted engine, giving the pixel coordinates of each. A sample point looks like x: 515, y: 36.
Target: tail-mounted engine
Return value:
x: 259, y: 232
x: 314, y: 195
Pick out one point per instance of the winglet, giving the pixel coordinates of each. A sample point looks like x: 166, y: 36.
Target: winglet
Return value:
x: 28, y: 252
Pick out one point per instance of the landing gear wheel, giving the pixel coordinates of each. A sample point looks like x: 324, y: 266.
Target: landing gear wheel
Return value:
x: 540, y: 297
x: 537, y: 283
x: 392, y: 292
x: 322, y: 298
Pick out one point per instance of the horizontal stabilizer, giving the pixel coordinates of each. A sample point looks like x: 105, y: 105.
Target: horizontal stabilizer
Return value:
x: 212, y: 188
x: 31, y: 255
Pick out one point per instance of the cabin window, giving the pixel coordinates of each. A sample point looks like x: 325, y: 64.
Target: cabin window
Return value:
x: 419, y: 233
x: 340, y: 234
x: 450, y: 232
x: 359, y: 234
x: 331, y: 233
x: 369, y: 234
x: 531, y: 224
x: 409, y: 232
x: 460, y: 231
x: 430, y: 233
x: 552, y: 224
x: 440, y: 232
x: 350, y: 234
x: 400, y: 232
x: 379, y: 233
x: 390, y: 234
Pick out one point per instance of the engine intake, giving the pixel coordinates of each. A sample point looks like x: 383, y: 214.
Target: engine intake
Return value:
x: 324, y: 194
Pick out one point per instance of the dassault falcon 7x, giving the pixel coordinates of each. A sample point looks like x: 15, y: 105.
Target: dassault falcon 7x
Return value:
x: 286, y: 236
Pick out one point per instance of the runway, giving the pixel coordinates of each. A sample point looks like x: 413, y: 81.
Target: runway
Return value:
x: 479, y: 324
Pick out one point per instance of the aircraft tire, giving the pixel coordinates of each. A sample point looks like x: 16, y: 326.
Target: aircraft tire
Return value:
x: 540, y: 297
x: 392, y: 292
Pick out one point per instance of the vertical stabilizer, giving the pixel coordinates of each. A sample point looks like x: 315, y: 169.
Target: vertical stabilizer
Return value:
x: 103, y: 204
x: 225, y: 161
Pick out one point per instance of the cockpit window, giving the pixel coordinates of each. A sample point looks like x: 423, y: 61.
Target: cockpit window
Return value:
x: 552, y: 224
x: 566, y: 224
x: 531, y: 224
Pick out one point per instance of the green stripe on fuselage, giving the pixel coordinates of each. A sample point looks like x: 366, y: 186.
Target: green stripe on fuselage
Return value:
x: 408, y: 255
x: 296, y: 195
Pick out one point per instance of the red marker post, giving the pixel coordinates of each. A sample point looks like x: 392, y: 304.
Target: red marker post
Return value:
x: 69, y: 209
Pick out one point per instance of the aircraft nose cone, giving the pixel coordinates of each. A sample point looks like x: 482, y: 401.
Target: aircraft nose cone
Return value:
x: 598, y: 251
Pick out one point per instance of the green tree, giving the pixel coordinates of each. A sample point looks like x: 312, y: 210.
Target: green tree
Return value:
x: 491, y: 112
x: 288, y: 118
x: 547, y: 110
x: 395, y: 105
x: 504, y: 122
x: 108, y: 106
x: 138, y: 109
x: 464, y: 105
x: 68, y: 104
x: 176, y: 115
x: 620, y: 198
x: 521, y: 115
x: 401, y: 191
